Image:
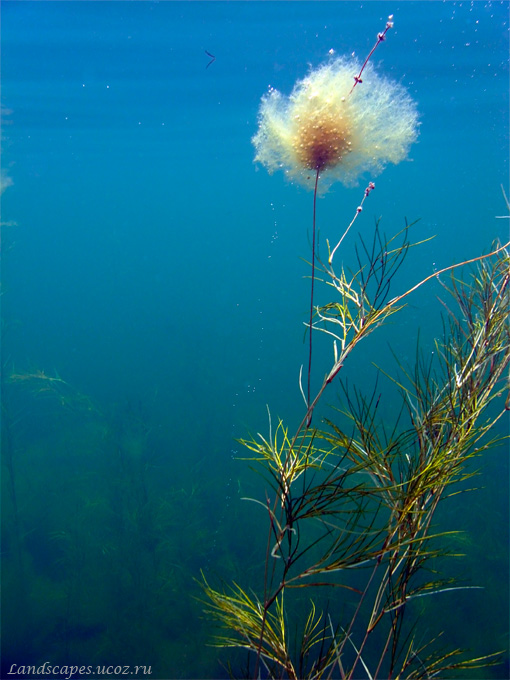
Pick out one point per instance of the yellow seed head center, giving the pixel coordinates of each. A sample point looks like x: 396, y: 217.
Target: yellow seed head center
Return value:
x: 322, y: 141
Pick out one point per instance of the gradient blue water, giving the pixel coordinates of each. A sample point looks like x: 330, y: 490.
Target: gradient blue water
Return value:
x: 152, y: 262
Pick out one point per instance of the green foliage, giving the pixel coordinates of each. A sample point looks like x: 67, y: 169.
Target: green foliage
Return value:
x: 357, y: 496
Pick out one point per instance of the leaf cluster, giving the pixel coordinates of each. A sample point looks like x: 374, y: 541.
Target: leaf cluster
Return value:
x: 357, y: 496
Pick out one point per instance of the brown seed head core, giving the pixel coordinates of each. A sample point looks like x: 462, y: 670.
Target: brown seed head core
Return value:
x: 321, y: 128
x: 322, y: 141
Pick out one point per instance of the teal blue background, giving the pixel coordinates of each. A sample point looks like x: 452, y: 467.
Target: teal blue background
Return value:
x: 155, y: 269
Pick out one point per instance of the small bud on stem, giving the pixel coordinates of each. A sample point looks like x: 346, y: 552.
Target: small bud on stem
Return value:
x: 370, y: 187
x: 380, y: 38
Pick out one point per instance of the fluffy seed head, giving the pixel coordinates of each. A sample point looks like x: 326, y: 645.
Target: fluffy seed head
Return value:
x: 324, y: 126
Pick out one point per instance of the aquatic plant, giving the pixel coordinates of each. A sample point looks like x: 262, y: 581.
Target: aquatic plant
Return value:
x: 331, y: 129
x: 350, y: 504
x: 361, y: 494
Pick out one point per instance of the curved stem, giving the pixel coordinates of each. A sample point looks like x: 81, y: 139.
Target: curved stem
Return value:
x: 311, y: 298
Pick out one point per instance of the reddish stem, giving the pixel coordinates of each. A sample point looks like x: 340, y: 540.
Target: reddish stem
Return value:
x: 311, y: 298
x: 380, y: 38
